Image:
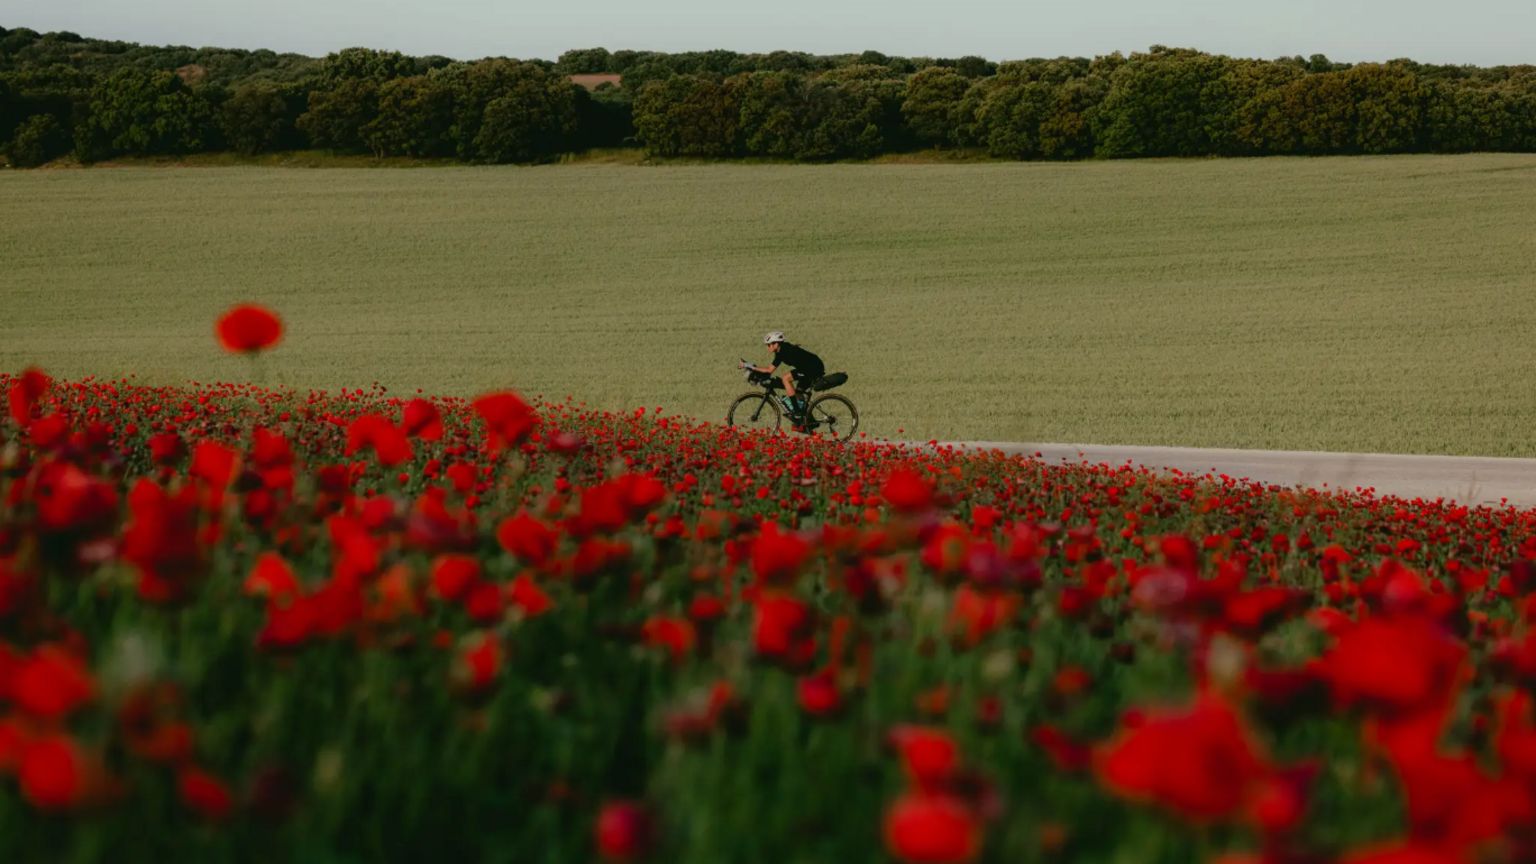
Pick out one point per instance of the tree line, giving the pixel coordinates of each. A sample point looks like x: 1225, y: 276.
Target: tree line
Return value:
x: 61, y: 93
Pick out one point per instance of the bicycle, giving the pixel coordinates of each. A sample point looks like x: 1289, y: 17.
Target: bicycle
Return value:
x: 831, y: 414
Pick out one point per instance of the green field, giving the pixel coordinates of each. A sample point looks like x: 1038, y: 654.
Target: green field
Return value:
x: 1376, y: 304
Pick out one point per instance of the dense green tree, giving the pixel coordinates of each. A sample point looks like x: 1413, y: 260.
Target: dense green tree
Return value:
x: 1057, y: 70
x: 475, y: 86
x: 933, y: 103
x: 415, y: 118
x: 336, y: 117
x: 136, y: 112
x: 39, y: 139
x: 1389, y: 107
x: 975, y: 67
x: 620, y: 62
x: 874, y: 96
x: 261, y: 117
x: 532, y: 119
x: 10, y: 109
x: 853, y: 111
x: 787, y: 61
x: 1066, y: 132
x: 583, y: 61
x: 350, y: 64
x: 1010, y: 116
x: 772, y: 108
x: 689, y: 115
x: 119, y: 97
x: 1313, y: 114
x: 1169, y: 102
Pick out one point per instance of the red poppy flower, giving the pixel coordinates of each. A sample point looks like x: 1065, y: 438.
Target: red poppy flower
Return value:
x: 25, y: 393
x: 508, y: 419
x: 167, y: 448
x: 783, y: 630
x: 68, y: 499
x: 14, y: 738
x: 526, y: 537
x: 51, y: 684
x: 1067, y: 754
x: 375, y: 432
x: 977, y: 614
x: 907, y: 490
x: 53, y: 773
x: 484, y: 602
x: 929, y: 756
x: 1393, y: 665
x: 932, y: 829
x: 478, y: 664
x: 422, y: 420
x: 1200, y: 762
x: 676, y: 635
x: 214, y: 463
x: 204, y: 794
x: 623, y: 831
x: 777, y: 555
x: 526, y: 595
x: 272, y: 578
x: 454, y: 575
x: 248, y: 328
x: 819, y: 695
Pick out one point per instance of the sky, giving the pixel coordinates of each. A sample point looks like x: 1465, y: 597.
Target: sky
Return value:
x: 1481, y: 32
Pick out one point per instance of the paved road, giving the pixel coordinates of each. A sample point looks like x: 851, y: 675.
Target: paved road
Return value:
x: 1467, y: 479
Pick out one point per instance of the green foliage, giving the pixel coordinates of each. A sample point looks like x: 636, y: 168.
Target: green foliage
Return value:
x: 144, y: 112
x: 689, y: 115
x: 10, y: 109
x: 1312, y: 115
x: 473, y: 86
x: 532, y: 119
x: 854, y: 112
x: 975, y: 67
x: 415, y: 119
x: 722, y: 104
x: 1066, y: 131
x: 1389, y: 105
x: 1167, y: 103
x: 580, y: 61
x: 1010, y: 116
x: 38, y: 140
x: 337, y: 117
x: 932, y: 104
x: 261, y: 118
x: 366, y: 64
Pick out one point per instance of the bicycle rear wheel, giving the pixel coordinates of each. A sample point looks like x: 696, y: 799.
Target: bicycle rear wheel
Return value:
x: 835, y: 417
x: 754, y: 411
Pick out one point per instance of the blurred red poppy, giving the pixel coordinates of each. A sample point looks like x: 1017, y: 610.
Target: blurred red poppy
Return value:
x: 932, y: 829
x: 248, y: 328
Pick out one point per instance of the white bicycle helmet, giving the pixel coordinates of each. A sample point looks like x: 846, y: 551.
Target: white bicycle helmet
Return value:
x: 774, y: 336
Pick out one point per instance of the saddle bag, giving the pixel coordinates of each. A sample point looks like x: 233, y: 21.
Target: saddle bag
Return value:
x: 827, y: 382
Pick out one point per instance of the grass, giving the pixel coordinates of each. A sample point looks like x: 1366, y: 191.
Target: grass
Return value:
x: 1373, y: 304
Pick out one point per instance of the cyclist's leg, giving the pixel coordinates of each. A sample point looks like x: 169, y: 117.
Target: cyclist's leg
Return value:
x: 803, y: 394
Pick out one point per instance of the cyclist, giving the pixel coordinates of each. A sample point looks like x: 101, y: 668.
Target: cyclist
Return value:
x: 804, y: 369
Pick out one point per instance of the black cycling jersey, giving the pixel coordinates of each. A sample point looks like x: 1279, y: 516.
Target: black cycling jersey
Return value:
x: 808, y: 367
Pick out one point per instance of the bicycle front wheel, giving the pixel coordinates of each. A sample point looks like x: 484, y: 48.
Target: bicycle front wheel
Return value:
x: 754, y: 411
x: 835, y: 417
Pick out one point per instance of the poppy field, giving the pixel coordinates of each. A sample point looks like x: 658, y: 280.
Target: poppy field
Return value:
x: 250, y: 623
x: 1370, y: 304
